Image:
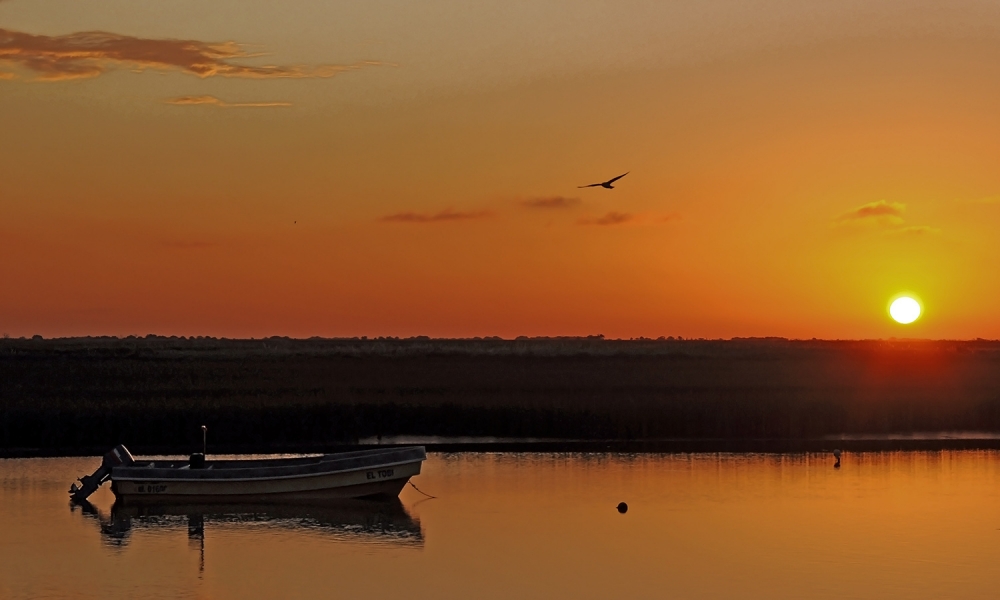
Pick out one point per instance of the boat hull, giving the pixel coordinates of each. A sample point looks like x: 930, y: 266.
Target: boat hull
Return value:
x: 357, y: 475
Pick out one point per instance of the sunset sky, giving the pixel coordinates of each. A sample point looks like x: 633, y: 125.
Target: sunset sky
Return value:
x: 392, y: 167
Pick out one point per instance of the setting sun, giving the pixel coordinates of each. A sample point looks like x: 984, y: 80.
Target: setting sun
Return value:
x: 904, y: 310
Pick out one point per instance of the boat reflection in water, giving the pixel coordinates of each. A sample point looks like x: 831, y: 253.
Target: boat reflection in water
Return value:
x: 357, y: 521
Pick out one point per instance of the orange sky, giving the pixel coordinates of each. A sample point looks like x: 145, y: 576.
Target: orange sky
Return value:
x: 394, y: 168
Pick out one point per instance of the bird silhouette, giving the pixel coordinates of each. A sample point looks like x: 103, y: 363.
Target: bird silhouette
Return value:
x: 606, y: 184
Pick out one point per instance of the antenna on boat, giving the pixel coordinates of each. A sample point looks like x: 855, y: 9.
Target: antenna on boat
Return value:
x: 204, y: 440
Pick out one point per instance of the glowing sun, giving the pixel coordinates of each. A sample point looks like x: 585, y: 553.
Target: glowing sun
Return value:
x: 904, y: 310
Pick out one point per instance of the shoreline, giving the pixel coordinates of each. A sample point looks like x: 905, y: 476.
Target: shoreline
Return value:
x: 83, y: 396
x: 677, y: 446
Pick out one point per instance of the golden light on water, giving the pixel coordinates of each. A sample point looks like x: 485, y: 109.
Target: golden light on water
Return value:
x: 904, y: 310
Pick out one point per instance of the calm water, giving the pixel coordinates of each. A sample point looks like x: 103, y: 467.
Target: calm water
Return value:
x: 900, y: 525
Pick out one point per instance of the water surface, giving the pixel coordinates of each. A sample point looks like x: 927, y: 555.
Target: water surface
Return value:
x: 902, y: 525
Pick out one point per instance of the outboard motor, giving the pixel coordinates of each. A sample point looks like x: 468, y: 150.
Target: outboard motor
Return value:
x: 119, y: 455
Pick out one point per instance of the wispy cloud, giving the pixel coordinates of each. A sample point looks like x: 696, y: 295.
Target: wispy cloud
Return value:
x: 915, y: 230
x: 612, y: 218
x: 439, y: 217
x: 884, y: 216
x: 550, y: 202
x: 213, y: 101
x: 91, y: 53
x: 889, y: 211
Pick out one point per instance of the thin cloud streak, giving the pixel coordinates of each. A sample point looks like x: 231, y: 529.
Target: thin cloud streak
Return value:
x: 915, y: 230
x: 879, y: 209
x: 89, y: 54
x: 213, y: 101
x: 612, y: 218
x: 885, y: 216
x: 445, y: 215
x: 551, y: 202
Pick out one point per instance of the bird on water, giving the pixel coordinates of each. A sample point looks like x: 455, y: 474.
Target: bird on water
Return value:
x: 836, y: 455
x: 606, y: 184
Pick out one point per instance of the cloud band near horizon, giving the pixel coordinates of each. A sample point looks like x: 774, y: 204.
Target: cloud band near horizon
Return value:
x: 550, y: 202
x: 611, y: 218
x: 216, y: 102
x: 88, y: 54
x: 445, y: 215
x: 879, y: 209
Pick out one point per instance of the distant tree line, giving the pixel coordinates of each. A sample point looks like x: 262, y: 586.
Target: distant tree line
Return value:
x: 278, y: 392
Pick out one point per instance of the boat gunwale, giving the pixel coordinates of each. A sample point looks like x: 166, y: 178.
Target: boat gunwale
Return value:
x: 287, y: 460
x: 270, y: 469
x: 209, y: 479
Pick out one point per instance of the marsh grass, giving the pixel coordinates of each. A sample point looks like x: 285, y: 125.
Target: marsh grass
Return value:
x: 155, y: 392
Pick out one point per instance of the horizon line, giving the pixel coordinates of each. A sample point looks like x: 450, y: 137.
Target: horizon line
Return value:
x: 521, y: 338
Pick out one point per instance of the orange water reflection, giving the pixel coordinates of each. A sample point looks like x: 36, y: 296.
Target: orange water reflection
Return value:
x: 905, y: 525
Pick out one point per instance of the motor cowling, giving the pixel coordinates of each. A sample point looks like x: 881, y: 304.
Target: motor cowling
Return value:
x: 119, y: 455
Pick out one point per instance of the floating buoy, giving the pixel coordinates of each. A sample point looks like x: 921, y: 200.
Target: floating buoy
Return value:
x: 622, y: 508
x: 836, y: 455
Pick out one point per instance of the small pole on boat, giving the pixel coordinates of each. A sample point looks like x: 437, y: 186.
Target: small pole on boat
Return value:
x: 204, y: 440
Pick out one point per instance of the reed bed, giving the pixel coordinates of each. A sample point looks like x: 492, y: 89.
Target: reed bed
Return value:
x: 279, y: 392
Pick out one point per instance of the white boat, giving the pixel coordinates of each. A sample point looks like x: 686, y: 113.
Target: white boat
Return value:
x: 379, y: 472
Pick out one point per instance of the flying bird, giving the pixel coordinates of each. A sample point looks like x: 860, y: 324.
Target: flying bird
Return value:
x: 606, y: 184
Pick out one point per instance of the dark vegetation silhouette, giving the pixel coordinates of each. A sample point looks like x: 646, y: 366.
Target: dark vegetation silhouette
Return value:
x: 279, y: 393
